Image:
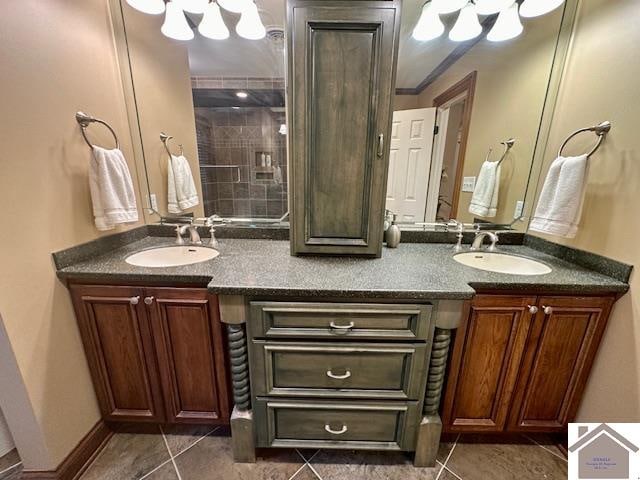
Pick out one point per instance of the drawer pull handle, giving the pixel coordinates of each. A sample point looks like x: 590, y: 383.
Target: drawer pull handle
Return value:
x: 328, y: 428
x: 330, y: 374
x: 341, y: 329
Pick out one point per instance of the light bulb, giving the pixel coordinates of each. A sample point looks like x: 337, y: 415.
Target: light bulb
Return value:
x: 531, y: 8
x: 467, y: 26
x: 242, y: 94
x: 153, y: 7
x: 507, y: 25
x: 175, y: 23
x: 212, y: 25
x: 192, y: 6
x: 235, y: 6
x: 491, y: 7
x: 429, y: 25
x: 250, y: 26
x: 447, y: 6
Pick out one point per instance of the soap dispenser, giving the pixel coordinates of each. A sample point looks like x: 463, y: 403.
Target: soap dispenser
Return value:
x: 392, y: 235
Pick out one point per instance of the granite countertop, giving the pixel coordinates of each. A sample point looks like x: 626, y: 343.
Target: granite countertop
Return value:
x: 412, y: 271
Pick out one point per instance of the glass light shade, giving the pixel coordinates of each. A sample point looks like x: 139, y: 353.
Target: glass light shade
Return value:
x: 235, y: 6
x: 467, y: 26
x: 192, y: 6
x: 250, y: 26
x: 534, y: 8
x: 175, y: 23
x: 447, y: 6
x: 491, y: 7
x: 429, y: 25
x: 212, y: 25
x: 507, y: 25
x: 153, y: 7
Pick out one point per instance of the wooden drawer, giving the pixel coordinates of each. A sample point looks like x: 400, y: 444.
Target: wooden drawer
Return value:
x: 362, y: 425
x: 340, y: 321
x: 338, y: 370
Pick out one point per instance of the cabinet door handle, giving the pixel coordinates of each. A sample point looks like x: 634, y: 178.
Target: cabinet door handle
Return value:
x: 547, y: 310
x: 341, y: 329
x: 134, y: 300
x: 330, y: 374
x: 380, y: 145
x: 532, y: 309
x: 148, y: 300
x: 328, y: 428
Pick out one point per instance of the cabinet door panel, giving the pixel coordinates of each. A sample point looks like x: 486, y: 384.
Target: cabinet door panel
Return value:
x: 558, y: 361
x: 485, y: 361
x: 117, y: 339
x: 191, y: 355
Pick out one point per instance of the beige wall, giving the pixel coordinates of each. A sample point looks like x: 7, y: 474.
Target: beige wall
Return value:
x: 162, y: 82
x: 509, y: 98
x: 601, y: 83
x: 405, y: 102
x: 56, y: 57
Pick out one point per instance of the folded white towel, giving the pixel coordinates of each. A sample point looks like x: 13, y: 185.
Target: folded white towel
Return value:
x: 112, y: 194
x: 484, y: 201
x: 560, y: 204
x: 181, y: 191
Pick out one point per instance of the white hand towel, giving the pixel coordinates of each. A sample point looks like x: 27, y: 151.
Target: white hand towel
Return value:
x: 484, y: 201
x: 560, y: 204
x: 112, y: 194
x: 181, y: 189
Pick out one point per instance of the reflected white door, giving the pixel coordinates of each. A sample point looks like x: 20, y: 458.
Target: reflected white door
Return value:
x: 410, y: 163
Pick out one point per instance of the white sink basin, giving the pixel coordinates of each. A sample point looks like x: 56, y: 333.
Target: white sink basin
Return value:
x: 502, y: 263
x: 171, y: 256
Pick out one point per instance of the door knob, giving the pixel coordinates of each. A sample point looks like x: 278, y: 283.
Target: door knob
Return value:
x: 148, y: 300
x: 134, y: 300
x: 532, y: 309
x: 547, y: 310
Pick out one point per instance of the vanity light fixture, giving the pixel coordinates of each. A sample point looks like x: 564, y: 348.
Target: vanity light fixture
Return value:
x: 491, y: 7
x: 175, y: 23
x: 250, y: 26
x: 507, y: 26
x: 152, y: 7
x: 212, y: 25
x: 467, y: 26
x: 429, y: 25
x: 235, y: 6
x: 242, y: 95
x: 448, y: 6
x: 535, y: 8
x: 193, y: 6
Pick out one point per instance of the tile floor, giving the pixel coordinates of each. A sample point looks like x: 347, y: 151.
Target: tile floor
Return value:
x: 193, y: 453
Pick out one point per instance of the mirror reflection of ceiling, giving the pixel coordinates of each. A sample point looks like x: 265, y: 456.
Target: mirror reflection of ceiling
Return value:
x: 239, y: 57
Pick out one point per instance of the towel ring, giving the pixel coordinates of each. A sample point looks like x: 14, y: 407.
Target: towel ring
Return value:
x: 508, y: 145
x: 164, y: 138
x: 600, y: 130
x: 85, y: 120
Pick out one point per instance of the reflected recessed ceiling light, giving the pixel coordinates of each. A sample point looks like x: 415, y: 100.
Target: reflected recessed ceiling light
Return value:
x: 250, y: 26
x: 535, y: 8
x: 175, y: 23
x: 467, y: 26
x: 491, y: 7
x: 241, y: 94
x: 193, y: 6
x: 448, y: 6
x: 235, y: 6
x: 429, y: 25
x: 153, y: 7
x: 236, y: 108
x: 212, y: 25
x: 507, y: 25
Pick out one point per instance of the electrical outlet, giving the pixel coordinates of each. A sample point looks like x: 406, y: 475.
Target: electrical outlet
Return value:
x: 518, y: 211
x: 468, y: 184
x: 154, y: 201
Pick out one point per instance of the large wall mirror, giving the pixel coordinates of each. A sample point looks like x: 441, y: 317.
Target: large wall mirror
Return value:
x: 467, y: 113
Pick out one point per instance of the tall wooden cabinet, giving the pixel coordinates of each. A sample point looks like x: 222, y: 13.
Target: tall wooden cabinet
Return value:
x: 155, y: 354
x: 521, y: 363
x: 341, y: 60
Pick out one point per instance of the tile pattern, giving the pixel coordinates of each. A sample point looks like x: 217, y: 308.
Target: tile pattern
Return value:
x: 192, y: 453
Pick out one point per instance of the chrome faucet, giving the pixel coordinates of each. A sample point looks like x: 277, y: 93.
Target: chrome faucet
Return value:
x: 477, y: 242
x: 193, y: 234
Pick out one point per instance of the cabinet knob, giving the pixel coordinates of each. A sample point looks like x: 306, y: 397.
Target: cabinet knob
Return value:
x: 148, y: 300
x: 532, y: 309
x: 547, y: 310
x: 134, y: 300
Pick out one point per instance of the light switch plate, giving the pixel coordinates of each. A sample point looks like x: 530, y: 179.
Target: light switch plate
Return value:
x: 518, y: 211
x: 468, y: 184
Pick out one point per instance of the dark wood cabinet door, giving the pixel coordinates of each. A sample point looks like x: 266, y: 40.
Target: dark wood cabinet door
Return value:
x: 190, y: 350
x: 560, y: 353
x: 342, y: 58
x: 488, y: 348
x: 117, y: 339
